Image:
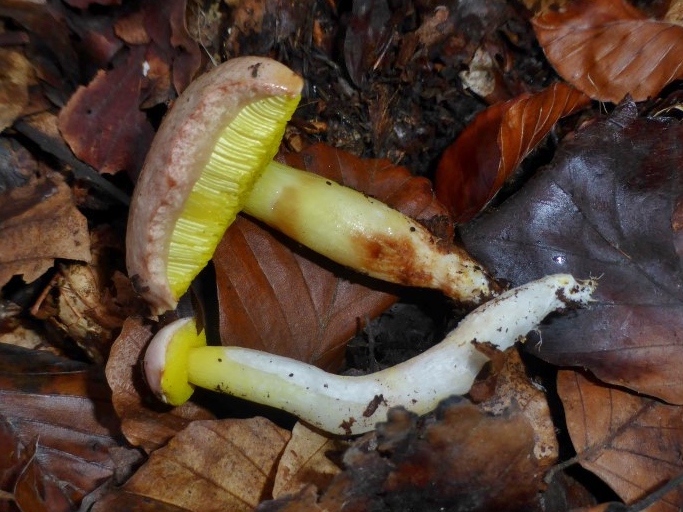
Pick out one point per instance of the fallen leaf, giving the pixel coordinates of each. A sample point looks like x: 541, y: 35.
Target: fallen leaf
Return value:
x: 631, y: 442
x: 210, y: 466
x: 44, y: 212
x: 50, y: 462
x: 285, y: 300
x: 309, y: 458
x: 88, y: 302
x: 165, y: 22
x: 103, y: 123
x: 16, y: 165
x: 514, y: 388
x: 608, y: 49
x: 486, y: 154
x: 603, y: 208
x: 144, y: 421
x: 50, y: 49
x: 16, y: 74
x: 418, y: 465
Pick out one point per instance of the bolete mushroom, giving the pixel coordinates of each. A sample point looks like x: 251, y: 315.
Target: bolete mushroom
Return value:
x: 212, y: 157
x: 178, y: 359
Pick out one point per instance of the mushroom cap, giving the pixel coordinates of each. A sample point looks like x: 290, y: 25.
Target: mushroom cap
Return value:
x: 165, y: 362
x: 179, y: 154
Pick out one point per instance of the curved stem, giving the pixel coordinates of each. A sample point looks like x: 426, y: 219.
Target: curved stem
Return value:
x: 353, y: 405
x: 363, y: 233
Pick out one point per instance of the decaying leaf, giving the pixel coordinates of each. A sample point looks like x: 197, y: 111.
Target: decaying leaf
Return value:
x: 632, y: 442
x: 103, y: 123
x: 88, y: 302
x: 418, y: 465
x: 608, y: 49
x: 515, y: 389
x: 43, y: 212
x: 144, y: 422
x: 604, y: 208
x: 211, y: 466
x: 309, y: 458
x: 474, y: 168
x: 291, y: 302
x: 60, y: 436
x: 15, y: 75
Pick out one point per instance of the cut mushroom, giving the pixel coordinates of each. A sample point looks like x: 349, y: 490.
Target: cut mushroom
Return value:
x: 178, y: 359
x: 212, y: 156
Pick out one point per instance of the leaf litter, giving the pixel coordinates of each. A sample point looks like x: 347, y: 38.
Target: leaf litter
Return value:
x: 399, y: 82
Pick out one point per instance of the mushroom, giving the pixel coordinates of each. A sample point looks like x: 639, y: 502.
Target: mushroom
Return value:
x: 178, y: 359
x: 212, y: 157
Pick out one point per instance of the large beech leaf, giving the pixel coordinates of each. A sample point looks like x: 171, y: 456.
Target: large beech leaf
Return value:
x: 278, y: 297
x: 632, y: 442
x: 474, y: 168
x: 59, y: 434
x: 144, y: 421
x: 604, y: 208
x: 219, y: 465
x: 608, y: 49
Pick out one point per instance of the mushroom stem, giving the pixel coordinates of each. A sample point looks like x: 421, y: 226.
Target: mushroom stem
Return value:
x: 353, y: 405
x: 363, y: 233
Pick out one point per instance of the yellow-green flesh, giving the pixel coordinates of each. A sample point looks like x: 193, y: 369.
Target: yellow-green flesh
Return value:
x: 242, y: 150
x: 174, y: 381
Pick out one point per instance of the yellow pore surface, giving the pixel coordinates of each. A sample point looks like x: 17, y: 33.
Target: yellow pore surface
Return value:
x: 242, y: 151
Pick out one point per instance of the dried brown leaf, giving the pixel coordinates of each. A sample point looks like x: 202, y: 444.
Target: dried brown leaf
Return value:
x: 515, y: 389
x: 16, y: 74
x: 88, y: 302
x: 474, y: 168
x: 210, y: 466
x: 103, y: 123
x: 293, y: 303
x: 632, y: 442
x: 58, y: 431
x: 411, y: 465
x: 310, y: 458
x: 603, y: 208
x: 144, y: 422
x: 50, y: 47
x: 609, y: 49
x: 39, y: 223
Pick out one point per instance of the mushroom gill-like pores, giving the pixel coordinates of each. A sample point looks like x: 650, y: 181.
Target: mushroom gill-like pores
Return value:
x: 178, y: 359
x: 212, y: 157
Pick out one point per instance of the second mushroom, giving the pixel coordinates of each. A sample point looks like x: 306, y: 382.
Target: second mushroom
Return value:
x: 212, y: 157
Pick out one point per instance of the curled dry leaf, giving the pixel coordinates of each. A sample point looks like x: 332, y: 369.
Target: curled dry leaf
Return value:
x: 287, y: 301
x: 211, y: 466
x: 632, y: 442
x: 418, y: 465
x: 50, y: 461
x: 309, y: 458
x: 474, y: 168
x: 608, y: 49
x: 42, y: 211
x: 515, y: 389
x: 88, y: 302
x: 604, y: 207
x: 143, y: 421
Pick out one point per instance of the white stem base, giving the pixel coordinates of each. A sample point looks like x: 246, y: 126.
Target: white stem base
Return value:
x: 353, y: 405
